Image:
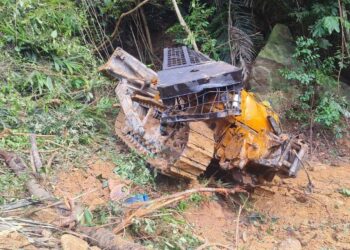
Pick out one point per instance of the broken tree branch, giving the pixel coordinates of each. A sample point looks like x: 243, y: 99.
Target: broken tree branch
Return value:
x: 116, y: 28
x: 18, y: 204
x: 185, y: 26
x: 7, y: 132
x: 17, y: 165
x: 57, y: 203
x: 51, y: 160
x: 151, y: 206
x: 34, y: 153
x: 210, y: 245
x: 241, y: 207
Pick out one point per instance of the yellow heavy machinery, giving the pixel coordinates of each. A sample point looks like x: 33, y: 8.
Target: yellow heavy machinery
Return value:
x: 195, y: 111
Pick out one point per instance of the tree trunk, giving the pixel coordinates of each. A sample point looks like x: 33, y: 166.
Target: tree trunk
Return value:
x: 185, y: 26
x: 145, y: 25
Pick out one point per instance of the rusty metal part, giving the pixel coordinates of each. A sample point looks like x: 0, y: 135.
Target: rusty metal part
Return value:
x: 122, y: 65
x: 144, y: 100
x: 187, y: 158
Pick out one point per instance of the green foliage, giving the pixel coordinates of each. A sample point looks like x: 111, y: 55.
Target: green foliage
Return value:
x: 318, y: 99
x: 345, y: 192
x: 88, y: 217
x: 165, y: 231
x: 48, y: 80
x: 198, y: 22
x: 328, y: 112
x: 326, y: 26
x: 49, y: 73
x: 194, y: 199
x: 133, y: 167
x: 39, y: 29
x: 322, y: 18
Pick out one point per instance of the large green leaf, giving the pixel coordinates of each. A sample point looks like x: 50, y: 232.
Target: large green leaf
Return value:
x: 331, y: 23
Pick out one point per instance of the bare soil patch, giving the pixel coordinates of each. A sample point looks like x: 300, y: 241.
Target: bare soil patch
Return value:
x: 77, y: 181
x: 277, y: 213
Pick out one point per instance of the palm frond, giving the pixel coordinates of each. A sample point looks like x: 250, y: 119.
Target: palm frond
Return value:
x: 238, y: 14
x: 242, y: 50
x: 242, y: 46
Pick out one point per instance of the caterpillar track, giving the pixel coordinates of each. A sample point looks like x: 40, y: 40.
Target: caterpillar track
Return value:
x: 189, y: 160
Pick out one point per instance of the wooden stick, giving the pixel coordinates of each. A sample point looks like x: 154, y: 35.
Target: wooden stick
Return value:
x: 237, y: 227
x: 35, y: 154
x: 207, y: 244
x: 61, y: 146
x: 237, y: 222
x: 59, y: 202
x: 50, y: 161
x: 7, y: 132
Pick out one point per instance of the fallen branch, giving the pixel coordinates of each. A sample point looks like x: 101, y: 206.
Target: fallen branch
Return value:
x: 34, y: 154
x: 210, y: 245
x: 57, y: 203
x: 28, y: 227
x: 61, y: 146
x: 148, y: 34
x: 18, y: 204
x: 237, y: 222
x: 151, y: 206
x: 17, y: 165
x: 115, y: 31
x: 51, y: 159
x: 7, y: 132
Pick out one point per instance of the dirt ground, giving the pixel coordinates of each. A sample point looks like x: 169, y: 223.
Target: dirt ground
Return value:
x: 274, y: 213
x: 320, y: 220
x: 73, y: 182
x: 284, y: 210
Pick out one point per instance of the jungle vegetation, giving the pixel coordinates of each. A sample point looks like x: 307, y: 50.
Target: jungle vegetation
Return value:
x: 51, y: 51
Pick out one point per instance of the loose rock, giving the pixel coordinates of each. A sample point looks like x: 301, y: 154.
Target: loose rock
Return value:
x: 70, y: 242
x: 290, y: 244
x: 265, y: 79
x: 94, y: 248
x: 14, y: 240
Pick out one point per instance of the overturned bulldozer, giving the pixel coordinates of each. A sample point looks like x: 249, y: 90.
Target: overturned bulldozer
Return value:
x: 196, y: 111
